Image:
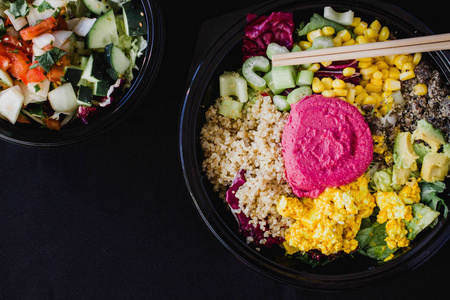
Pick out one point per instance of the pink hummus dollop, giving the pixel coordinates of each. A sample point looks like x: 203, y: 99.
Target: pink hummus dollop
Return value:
x: 326, y: 143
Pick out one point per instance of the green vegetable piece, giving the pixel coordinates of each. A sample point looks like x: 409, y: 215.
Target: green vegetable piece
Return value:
x: 134, y: 18
x: 321, y: 42
x: 426, y: 132
x: 230, y: 108
x: 429, y: 195
x: 19, y: 8
x: 423, y: 216
x: 269, y: 81
x: 281, y: 103
x: 344, y: 18
x: 305, y: 77
x: 400, y: 175
x: 404, y: 156
x: 435, y: 167
x: 253, y: 65
x: 421, y: 150
x: 274, y: 48
x: 283, y: 77
x: 383, y: 180
x: 298, y: 94
x: 319, y: 22
x: 232, y: 84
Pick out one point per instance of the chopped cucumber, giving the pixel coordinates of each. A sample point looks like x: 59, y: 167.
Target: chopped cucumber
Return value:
x: 281, y: 103
x: 93, y: 71
x: 321, y: 42
x: 85, y: 94
x: 344, y: 18
x: 134, y: 18
x: 230, y: 108
x: 5, y: 78
x: 269, y: 80
x: 101, y: 88
x: 98, y: 7
x: 274, y: 48
x: 232, y: 84
x: 305, y: 77
x: 63, y: 99
x: 284, y: 77
x: 298, y: 94
x: 103, y: 32
x: 253, y: 65
x: 72, y: 74
x: 116, y: 60
x: 296, y: 48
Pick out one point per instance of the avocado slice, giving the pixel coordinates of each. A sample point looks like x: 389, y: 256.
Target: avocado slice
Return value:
x: 404, y: 155
x: 435, y: 167
x: 426, y: 132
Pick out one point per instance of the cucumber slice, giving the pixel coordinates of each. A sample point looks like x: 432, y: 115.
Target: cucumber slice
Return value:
x: 343, y: 18
x: 63, y: 99
x: 103, y: 32
x: 116, y: 60
x: 98, y: 7
x: 101, y: 88
x: 305, y: 77
x: 85, y: 94
x: 249, y: 69
x: 298, y: 94
x: 232, y: 84
x: 274, y: 48
x: 93, y: 72
x: 281, y: 103
x: 5, y: 78
x: 134, y: 18
x: 284, y: 77
x: 230, y: 108
x: 72, y: 74
x: 269, y: 80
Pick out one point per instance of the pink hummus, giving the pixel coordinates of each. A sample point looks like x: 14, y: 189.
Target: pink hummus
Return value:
x: 326, y: 143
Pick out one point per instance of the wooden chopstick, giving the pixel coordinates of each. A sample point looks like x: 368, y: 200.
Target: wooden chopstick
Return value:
x: 392, y: 47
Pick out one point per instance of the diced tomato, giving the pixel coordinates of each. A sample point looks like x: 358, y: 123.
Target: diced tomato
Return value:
x: 12, y: 41
x: 35, y: 74
x: 55, y: 74
x: 5, y: 63
x: 20, y: 64
x: 44, y: 26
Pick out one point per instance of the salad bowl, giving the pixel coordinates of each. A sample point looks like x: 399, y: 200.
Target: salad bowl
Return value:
x: 223, y: 53
x: 144, y: 72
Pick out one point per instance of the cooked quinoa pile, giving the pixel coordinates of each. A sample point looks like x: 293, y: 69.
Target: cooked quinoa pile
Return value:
x: 252, y: 143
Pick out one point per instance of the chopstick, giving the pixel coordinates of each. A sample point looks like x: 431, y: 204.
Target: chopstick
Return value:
x: 386, y: 48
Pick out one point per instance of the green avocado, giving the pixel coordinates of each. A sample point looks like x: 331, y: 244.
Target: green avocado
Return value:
x: 404, y: 155
x: 426, y: 132
x: 435, y: 166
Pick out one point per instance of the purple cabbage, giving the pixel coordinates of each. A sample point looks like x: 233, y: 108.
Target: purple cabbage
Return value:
x: 245, y: 228
x: 85, y: 114
x: 335, y: 71
x: 260, y: 31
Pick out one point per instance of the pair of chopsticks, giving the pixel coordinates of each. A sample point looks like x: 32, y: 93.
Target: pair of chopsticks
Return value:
x: 386, y: 48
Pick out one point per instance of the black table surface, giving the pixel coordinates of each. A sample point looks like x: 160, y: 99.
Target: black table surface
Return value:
x: 111, y: 218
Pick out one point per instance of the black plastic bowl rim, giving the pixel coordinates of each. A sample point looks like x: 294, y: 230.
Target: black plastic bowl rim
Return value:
x: 22, y: 134
x: 202, y: 72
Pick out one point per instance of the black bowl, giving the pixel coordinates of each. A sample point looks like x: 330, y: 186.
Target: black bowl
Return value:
x: 148, y: 64
x: 223, y: 53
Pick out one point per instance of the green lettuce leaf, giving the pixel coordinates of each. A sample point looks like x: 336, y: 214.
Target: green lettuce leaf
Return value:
x: 423, y: 216
x: 429, y: 195
x: 319, y: 22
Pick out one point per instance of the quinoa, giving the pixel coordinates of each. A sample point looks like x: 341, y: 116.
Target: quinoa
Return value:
x: 252, y: 143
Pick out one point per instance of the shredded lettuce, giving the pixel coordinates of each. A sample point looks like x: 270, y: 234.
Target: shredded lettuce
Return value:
x: 423, y: 216
x: 319, y: 22
x: 429, y: 195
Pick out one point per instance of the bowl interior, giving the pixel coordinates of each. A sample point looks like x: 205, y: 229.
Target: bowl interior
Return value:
x: 148, y: 64
x: 203, y: 89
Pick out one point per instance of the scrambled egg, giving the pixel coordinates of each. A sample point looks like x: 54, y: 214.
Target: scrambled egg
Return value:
x: 380, y: 147
x: 330, y: 222
x: 395, y: 208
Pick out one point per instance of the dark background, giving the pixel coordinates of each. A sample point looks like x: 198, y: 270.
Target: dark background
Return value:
x: 111, y: 218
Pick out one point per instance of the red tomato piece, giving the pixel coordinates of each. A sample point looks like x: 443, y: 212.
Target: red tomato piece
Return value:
x: 38, y: 29
x: 5, y: 63
x: 35, y: 75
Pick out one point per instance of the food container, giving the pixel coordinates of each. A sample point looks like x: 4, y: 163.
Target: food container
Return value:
x: 219, y: 50
x: 148, y: 66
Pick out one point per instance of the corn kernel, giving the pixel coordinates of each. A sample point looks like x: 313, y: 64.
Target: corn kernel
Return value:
x: 364, y: 64
x: 329, y: 93
x: 392, y: 85
x: 349, y: 42
x: 369, y: 70
x: 327, y: 83
x: 314, y: 67
x: 341, y: 92
x: 359, y: 29
x: 366, y: 77
x: 369, y: 100
x: 420, y: 89
x: 377, y: 97
x: 349, y: 71
x: 400, y: 60
x: 377, y: 75
x: 317, y: 85
x: 326, y: 63
x: 375, y: 81
x: 389, y: 59
x: 384, y: 34
x: 373, y: 88
x: 371, y: 33
x: 359, y: 89
x: 304, y: 45
x: 351, y: 95
x: 313, y: 34
x: 338, y: 84
x: 394, y: 73
x: 356, y: 21
x: 375, y: 25
x: 360, y: 97
x: 406, y: 75
x: 337, y: 41
x: 385, y: 74
x: 361, y: 39
x: 416, y: 58
x: 328, y: 30
x: 409, y: 66
x: 384, y: 109
x: 344, y: 35
x: 381, y: 64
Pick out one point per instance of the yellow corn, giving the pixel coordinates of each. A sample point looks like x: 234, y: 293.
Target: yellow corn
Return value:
x: 364, y: 63
x: 394, y: 73
x: 359, y: 29
x: 369, y: 100
x: 392, y: 85
x: 328, y: 31
x: 371, y: 33
x: 407, y: 75
x: 361, y: 39
x: 375, y: 25
x: 356, y: 21
x: 384, y: 34
x: 344, y: 35
x: 420, y: 89
x: 338, y: 84
x: 349, y: 71
x: 360, y: 97
x: 351, y: 95
x: 329, y: 93
x: 409, y: 66
x: 416, y: 58
x: 369, y: 70
x: 377, y: 75
x: 304, y: 45
x: 337, y: 41
x: 317, y: 85
x: 381, y: 64
x: 349, y: 42
x: 385, y: 73
x: 373, y: 88
x: 375, y: 81
x: 327, y: 83
x: 326, y: 63
x: 341, y: 92
x: 400, y: 60
x: 389, y: 59
x: 359, y: 89
x: 314, y: 67
x: 313, y: 34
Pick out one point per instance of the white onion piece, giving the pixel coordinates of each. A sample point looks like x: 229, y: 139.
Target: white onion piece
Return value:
x: 18, y: 23
x: 60, y: 37
x: 34, y: 16
x: 84, y: 26
x: 43, y: 40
